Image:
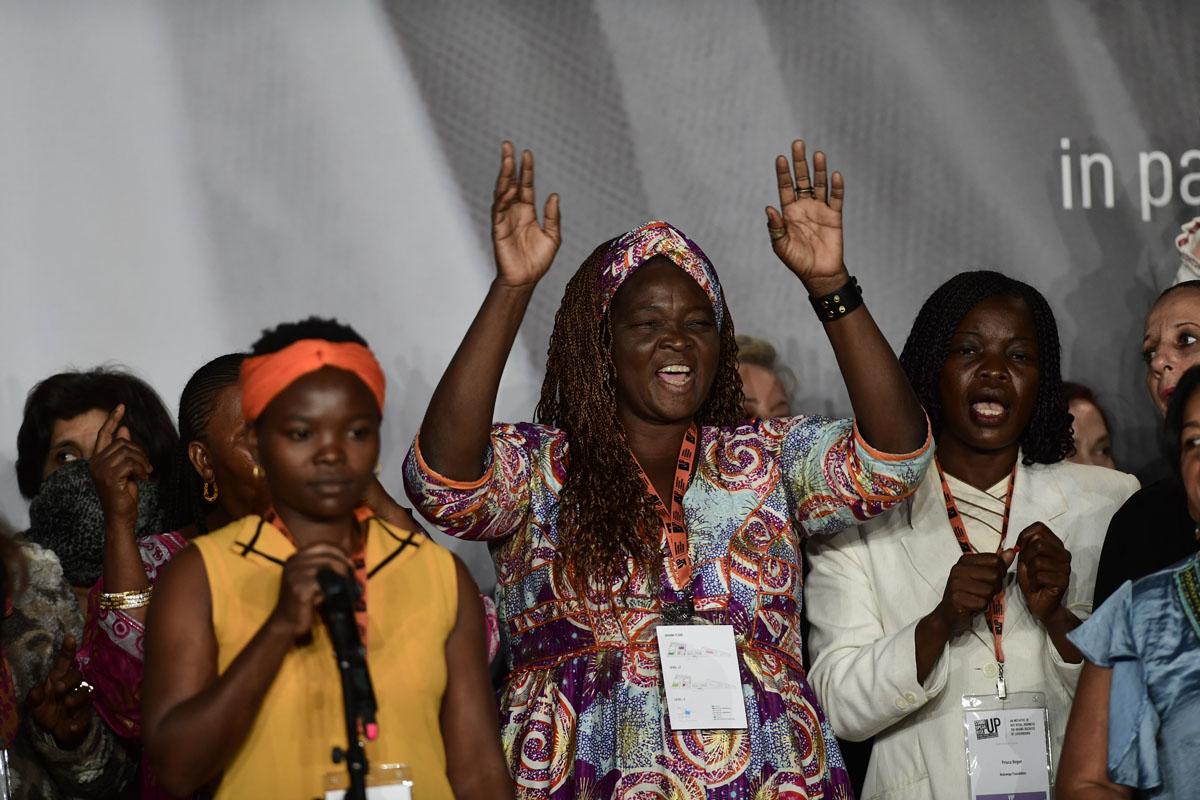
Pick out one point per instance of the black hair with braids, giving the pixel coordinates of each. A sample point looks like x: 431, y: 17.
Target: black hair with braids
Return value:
x: 275, y: 339
x: 605, y: 514
x: 1047, y: 438
x: 196, y: 406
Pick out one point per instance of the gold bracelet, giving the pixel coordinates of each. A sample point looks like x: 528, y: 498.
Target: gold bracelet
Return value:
x: 123, y: 601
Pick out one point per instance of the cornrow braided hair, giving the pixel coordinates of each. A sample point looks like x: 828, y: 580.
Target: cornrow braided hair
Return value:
x: 196, y: 406
x: 1048, y: 437
x: 606, y: 516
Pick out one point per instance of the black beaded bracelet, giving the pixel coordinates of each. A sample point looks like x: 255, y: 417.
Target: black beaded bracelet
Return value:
x: 838, y: 304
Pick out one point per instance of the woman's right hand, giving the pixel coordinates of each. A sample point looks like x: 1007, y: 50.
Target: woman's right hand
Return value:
x: 299, y: 592
x: 973, y: 582
x: 524, y: 249
x: 117, y: 464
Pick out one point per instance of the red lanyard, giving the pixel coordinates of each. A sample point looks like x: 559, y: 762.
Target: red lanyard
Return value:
x: 358, y: 559
x: 679, y: 560
x: 995, y: 611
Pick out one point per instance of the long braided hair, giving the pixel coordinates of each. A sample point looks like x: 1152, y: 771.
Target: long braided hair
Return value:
x: 606, y: 516
x: 1047, y: 438
x: 196, y: 406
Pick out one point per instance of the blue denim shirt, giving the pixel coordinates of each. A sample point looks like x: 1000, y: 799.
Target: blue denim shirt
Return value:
x: 1148, y: 634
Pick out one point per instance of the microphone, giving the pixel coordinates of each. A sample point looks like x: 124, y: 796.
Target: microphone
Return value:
x: 337, y: 610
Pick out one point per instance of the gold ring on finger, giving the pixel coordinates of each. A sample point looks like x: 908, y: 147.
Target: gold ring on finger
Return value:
x: 776, y: 233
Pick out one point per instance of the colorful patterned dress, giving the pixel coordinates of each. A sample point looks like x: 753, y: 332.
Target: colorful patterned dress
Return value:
x: 582, y: 712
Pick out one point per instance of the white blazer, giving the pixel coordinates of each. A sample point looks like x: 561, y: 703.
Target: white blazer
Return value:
x: 868, y: 588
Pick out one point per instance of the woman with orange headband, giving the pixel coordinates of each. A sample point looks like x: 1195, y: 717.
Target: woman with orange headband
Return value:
x: 242, y: 692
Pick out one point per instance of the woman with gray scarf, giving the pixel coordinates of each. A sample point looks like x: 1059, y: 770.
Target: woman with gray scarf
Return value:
x: 61, y: 748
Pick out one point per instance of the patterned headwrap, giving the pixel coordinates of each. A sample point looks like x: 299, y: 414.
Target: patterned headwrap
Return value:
x: 658, y: 239
x: 264, y: 377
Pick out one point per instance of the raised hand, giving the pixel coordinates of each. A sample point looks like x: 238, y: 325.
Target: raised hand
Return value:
x: 1043, y: 570
x: 116, y: 465
x: 973, y: 582
x: 806, y: 229
x: 299, y: 592
x: 62, y: 706
x: 524, y: 249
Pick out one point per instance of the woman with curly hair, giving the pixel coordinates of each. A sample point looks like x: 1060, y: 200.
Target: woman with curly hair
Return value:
x: 638, y: 498
x: 919, y: 607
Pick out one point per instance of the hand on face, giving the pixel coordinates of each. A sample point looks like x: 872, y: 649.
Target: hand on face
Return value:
x: 973, y: 582
x: 116, y: 464
x: 806, y: 230
x: 1043, y: 570
x: 524, y: 249
x: 62, y: 706
x: 299, y: 592
x: 73, y: 439
x: 665, y: 344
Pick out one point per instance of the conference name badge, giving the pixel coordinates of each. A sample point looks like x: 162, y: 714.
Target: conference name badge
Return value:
x: 1008, y: 746
x: 384, y: 782
x: 701, y: 677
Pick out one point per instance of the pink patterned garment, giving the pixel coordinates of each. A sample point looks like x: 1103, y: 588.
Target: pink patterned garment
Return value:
x: 648, y: 241
x: 111, y: 655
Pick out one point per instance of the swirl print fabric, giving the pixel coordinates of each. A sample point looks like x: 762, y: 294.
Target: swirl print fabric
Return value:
x: 582, y: 712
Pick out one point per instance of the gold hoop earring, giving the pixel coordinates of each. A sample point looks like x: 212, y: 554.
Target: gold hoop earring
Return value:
x: 210, y: 491
x: 258, y: 472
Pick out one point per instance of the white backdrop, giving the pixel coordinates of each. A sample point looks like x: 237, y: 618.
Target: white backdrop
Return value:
x: 175, y: 177
x: 172, y: 181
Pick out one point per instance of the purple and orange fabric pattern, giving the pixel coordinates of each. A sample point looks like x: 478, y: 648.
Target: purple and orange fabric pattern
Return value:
x: 658, y: 238
x: 582, y: 712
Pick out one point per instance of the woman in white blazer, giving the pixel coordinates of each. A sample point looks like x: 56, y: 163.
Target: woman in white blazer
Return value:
x: 898, y: 607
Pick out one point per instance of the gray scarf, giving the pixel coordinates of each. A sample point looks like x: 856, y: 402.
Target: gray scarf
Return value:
x: 66, y: 517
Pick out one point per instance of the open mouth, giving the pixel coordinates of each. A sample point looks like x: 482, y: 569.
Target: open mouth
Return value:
x: 675, y: 374
x: 989, y: 413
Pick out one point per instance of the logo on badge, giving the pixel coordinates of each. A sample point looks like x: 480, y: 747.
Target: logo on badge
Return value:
x: 987, y: 728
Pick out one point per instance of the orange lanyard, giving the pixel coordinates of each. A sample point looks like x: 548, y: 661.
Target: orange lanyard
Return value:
x: 358, y: 559
x: 679, y: 560
x: 995, y: 611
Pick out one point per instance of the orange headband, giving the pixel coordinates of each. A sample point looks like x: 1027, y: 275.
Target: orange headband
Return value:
x: 264, y: 377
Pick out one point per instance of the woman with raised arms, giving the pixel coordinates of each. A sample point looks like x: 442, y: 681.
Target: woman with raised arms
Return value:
x: 640, y: 498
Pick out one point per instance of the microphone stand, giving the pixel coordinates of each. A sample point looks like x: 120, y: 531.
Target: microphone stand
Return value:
x: 358, y: 698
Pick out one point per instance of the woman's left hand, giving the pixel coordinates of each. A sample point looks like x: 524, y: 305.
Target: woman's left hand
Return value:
x: 62, y: 706
x: 1043, y: 570
x: 806, y: 231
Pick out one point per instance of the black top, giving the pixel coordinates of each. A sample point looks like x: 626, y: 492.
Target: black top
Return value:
x: 1152, y: 531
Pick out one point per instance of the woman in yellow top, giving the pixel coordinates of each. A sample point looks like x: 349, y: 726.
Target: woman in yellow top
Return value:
x: 242, y: 693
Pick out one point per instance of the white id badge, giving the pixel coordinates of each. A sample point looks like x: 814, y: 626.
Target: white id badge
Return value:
x: 700, y: 676
x: 1008, y: 746
x: 384, y: 782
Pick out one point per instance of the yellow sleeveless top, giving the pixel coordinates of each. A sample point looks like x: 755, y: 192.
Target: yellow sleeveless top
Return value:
x: 412, y: 604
